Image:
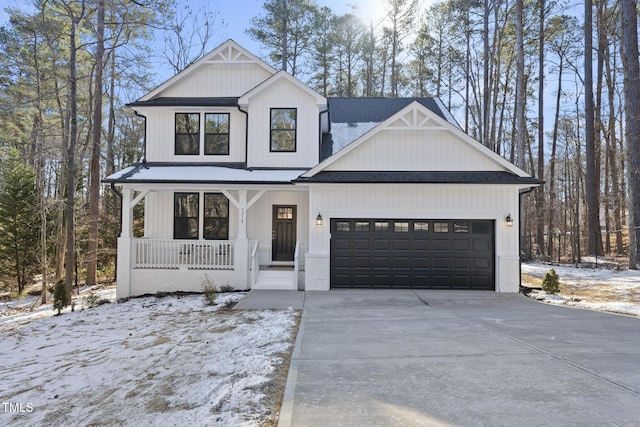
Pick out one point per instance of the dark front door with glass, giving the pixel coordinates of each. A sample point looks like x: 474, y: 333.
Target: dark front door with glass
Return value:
x: 283, y: 237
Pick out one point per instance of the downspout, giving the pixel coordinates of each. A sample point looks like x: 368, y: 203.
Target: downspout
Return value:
x: 119, y: 195
x: 520, y: 231
x: 246, y: 137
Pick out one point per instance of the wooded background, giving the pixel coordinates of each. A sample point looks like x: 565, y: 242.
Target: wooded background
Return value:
x: 550, y: 85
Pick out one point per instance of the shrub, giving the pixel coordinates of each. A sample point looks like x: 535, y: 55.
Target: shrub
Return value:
x: 92, y: 300
x: 226, y: 288
x: 60, y: 296
x: 551, y: 282
x: 210, y: 291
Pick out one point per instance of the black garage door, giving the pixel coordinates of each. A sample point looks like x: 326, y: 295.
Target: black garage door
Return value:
x: 418, y: 254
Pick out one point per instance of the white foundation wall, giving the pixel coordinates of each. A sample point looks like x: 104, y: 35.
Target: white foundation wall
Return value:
x: 147, y: 281
x: 415, y: 201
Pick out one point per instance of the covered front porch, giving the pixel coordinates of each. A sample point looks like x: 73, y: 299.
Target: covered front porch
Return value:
x: 243, y: 236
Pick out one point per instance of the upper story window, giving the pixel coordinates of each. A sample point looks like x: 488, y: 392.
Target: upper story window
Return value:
x: 187, y: 133
x: 216, y: 133
x: 283, y: 129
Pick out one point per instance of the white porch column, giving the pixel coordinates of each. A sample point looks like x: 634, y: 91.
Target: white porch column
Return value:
x: 242, y: 243
x: 125, y: 242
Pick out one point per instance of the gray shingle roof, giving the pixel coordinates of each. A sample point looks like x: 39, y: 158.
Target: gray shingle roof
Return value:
x: 421, y: 177
x: 187, y: 102
x: 364, y: 110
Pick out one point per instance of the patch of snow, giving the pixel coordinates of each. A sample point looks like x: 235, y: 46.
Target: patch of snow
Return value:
x: 343, y: 134
x: 624, y: 285
x: 206, y: 173
x: 145, y: 362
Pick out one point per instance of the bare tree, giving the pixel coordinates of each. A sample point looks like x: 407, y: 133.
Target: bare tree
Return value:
x: 75, y: 16
x: 592, y: 184
x: 632, y: 103
x: 189, y: 36
x: 400, y: 14
x: 96, y: 137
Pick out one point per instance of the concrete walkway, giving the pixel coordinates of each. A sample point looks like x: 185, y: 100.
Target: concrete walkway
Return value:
x: 445, y: 358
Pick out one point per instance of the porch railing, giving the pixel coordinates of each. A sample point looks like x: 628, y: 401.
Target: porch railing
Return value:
x: 192, y: 254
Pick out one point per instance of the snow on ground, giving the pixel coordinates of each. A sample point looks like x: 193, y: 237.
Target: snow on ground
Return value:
x: 144, y: 362
x: 616, y: 291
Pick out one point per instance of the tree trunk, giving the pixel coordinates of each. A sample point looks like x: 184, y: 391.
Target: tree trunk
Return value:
x: 592, y: 184
x: 540, y: 208
x: 520, y: 88
x: 632, y: 104
x: 94, y: 167
x: 70, y: 253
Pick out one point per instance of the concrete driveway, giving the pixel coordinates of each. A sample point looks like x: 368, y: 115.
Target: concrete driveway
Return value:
x: 455, y: 358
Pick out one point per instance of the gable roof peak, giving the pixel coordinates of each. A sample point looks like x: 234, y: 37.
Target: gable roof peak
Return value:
x: 280, y: 75
x: 227, y: 52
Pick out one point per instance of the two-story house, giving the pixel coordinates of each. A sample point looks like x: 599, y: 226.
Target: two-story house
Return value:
x: 253, y: 180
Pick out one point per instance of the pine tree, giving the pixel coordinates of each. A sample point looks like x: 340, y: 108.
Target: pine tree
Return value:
x: 19, y: 220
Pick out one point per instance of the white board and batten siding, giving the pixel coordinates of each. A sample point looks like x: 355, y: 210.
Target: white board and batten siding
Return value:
x: 159, y: 215
x: 283, y: 94
x: 413, y: 201
x: 158, y: 210
x: 161, y: 135
x: 217, y: 80
x: 399, y: 150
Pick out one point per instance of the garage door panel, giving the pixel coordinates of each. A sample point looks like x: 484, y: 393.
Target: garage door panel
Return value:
x: 341, y: 244
x: 381, y: 244
x: 440, y: 263
x: 361, y: 261
x: 421, y: 263
x: 461, y: 245
x: 481, y: 245
x: 362, y: 244
x: 400, y: 244
x: 421, y: 245
x: 382, y: 261
x: 481, y: 263
x: 398, y: 253
x: 342, y: 262
x: 441, y: 244
x: 461, y: 263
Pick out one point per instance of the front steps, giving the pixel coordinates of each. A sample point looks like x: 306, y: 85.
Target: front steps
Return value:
x: 278, y: 278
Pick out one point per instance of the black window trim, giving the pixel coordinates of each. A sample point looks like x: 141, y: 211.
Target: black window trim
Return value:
x: 176, y: 195
x: 204, y: 217
x: 271, y: 129
x: 200, y: 214
x: 228, y: 133
x: 175, y: 133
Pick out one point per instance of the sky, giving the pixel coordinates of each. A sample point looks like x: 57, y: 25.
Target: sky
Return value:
x: 237, y: 15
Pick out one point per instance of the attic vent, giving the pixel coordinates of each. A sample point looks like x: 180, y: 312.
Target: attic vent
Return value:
x: 352, y: 125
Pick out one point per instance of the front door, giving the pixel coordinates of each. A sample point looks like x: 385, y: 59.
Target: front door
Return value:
x: 283, y: 237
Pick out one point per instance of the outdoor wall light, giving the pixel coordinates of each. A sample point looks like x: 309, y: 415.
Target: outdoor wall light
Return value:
x: 319, y: 220
x: 509, y: 220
